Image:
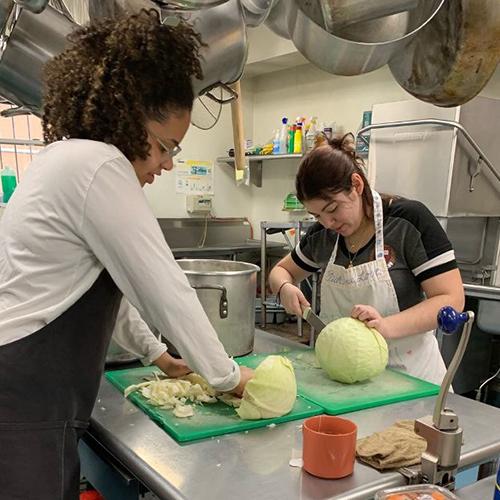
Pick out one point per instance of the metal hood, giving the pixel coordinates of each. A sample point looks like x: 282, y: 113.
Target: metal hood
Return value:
x: 441, y: 51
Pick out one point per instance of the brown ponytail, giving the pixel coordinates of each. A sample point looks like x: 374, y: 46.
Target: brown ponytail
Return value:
x: 328, y: 170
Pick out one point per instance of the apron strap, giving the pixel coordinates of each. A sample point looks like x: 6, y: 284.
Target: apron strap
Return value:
x: 378, y: 218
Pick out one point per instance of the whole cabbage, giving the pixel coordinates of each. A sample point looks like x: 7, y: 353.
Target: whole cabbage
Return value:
x: 271, y: 392
x: 351, y: 352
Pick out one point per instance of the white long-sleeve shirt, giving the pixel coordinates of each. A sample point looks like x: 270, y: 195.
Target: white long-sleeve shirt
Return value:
x: 132, y: 334
x: 80, y: 209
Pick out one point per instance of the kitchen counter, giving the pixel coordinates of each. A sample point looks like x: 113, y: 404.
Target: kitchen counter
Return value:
x: 256, y: 464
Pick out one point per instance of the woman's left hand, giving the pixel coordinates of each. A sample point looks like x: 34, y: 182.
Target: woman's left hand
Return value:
x: 171, y: 366
x: 372, y: 318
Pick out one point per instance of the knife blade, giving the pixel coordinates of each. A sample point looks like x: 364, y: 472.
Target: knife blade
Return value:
x: 313, y: 319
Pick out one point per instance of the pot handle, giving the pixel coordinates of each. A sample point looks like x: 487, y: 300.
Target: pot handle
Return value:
x: 223, y: 298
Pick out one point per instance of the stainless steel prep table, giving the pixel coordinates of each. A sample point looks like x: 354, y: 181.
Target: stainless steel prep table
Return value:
x: 256, y: 464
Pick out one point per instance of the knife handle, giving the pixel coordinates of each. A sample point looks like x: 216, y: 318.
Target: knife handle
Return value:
x: 305, y: 312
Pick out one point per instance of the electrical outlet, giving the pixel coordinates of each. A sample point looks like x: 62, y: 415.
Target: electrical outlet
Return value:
x: 198, y: 204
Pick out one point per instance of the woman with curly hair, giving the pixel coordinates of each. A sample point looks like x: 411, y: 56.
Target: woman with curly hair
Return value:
x: 78, y: 235
x: 385, y: 260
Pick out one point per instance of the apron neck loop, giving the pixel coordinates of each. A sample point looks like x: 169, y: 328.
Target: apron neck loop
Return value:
x: 378, y: 218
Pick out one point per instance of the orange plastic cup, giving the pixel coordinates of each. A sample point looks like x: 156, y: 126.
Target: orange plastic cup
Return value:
x: 329, y: 446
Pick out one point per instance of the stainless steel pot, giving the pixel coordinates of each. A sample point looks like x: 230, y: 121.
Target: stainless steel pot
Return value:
x: 226, y: 290
x: 255, y: 12
x: 30, y: 40
x: 454, y: 56
x: 34, y: 39
x: 356, y: 48
x: 277, y: 19
x: 222, y: 29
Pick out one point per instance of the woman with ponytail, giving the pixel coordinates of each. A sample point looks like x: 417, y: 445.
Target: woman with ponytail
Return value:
x: 384, y: 260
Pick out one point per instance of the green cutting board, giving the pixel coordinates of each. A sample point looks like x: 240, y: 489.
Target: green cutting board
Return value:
x: 313, y: 384
x: 209, y: 419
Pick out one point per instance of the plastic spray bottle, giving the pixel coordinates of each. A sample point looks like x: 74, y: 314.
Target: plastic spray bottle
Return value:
x: 9, y: 183
x: 276, y: 142
x: 283, y: 136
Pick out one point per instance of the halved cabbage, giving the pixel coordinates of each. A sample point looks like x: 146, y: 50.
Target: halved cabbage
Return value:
x: 271, y: 392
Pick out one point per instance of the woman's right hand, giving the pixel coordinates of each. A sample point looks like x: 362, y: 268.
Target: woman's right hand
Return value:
x: 292, y: 299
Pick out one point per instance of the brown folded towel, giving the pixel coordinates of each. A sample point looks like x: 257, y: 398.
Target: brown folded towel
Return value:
x: 396, y: 446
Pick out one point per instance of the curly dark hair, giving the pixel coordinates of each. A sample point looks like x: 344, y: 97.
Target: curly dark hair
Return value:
x: 116, y: 74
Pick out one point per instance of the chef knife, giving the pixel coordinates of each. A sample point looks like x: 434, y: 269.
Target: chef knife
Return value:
x: 313, y: 319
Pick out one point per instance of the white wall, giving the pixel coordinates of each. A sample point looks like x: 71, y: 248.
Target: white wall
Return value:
x: 229, y: 200
x: 299, y: 91
x: 307, y: 90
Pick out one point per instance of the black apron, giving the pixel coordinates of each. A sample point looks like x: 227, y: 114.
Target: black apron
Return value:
x: 48, y: 385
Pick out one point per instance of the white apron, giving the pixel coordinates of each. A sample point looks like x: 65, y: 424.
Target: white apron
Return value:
x: 370, y: 284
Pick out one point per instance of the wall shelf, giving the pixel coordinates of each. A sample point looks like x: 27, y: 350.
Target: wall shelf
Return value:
x: 256, y: 162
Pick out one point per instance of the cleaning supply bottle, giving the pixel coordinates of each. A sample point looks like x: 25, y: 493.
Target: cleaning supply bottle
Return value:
x: 297, y: 139
x: 9, y: 183
x: 311, y: 134
x: 276, y: 142
x: 362, y: 148
x: 291, y: 135
x: 283, y: 136
x: 328, y: 131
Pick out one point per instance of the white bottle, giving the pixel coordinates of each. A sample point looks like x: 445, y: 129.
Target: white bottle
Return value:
x: 283, y: 147
x: 311, y: 134
x: 276, y: 142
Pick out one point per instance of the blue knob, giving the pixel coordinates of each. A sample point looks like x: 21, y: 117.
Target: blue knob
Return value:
x: 450, y: 320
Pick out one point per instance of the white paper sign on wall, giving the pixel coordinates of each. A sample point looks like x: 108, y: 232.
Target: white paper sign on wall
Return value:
x: 194, y: 177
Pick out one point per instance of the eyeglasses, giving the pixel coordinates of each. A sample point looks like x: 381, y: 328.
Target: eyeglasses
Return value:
x: 170, y: 151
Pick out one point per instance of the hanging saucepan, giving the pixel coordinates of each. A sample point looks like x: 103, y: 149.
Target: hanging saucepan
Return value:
x: 354, y: 48
x: 255, y: 12
x: 454, y: 56
x: 35, y: 6
x: 277, y: 20
x: 222, y: 29
x: 29, y: 41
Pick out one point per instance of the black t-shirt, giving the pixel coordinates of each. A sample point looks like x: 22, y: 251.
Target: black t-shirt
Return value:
x: 416, y: 248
